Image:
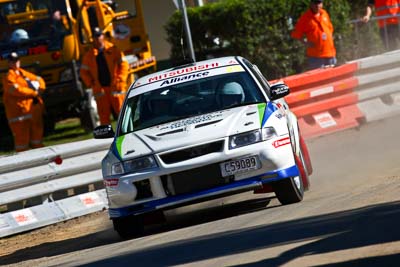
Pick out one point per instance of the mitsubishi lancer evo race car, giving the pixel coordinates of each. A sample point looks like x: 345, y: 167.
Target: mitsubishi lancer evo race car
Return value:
x: 198, y: 132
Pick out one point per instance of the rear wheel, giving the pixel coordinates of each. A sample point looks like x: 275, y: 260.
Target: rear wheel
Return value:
x: 129, y: 227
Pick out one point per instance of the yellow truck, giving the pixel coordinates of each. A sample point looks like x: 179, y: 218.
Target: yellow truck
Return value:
x: 52, y: 35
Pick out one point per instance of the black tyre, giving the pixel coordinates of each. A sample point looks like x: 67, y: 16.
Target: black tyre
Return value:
x: 291, y: 190
x: 129, y: 227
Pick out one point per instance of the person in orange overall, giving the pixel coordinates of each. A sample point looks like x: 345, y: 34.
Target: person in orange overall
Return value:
x: 388, y: 27
x: 105, y: 70
x: 316, y: 26
x: 23, y: 105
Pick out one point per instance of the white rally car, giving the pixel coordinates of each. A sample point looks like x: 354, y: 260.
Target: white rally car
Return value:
x: 201, y: 131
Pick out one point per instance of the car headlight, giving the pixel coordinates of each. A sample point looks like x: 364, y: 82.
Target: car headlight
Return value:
x: 117, y: 168
x: 140, y: 164
x: 268, y: 133
x: 244, y: 139
x: 133, y: 165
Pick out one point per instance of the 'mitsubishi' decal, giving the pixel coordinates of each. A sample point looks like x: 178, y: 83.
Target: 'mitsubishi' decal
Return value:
x: 281, y: 142
x: 182, y: 71
x: 190, y: 69
x: 194, y: 120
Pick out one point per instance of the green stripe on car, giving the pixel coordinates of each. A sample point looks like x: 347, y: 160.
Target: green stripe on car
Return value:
x: 119, y: 144
x: 261, y: 111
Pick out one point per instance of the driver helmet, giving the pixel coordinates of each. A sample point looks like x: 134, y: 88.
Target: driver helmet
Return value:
x: 230, y: 94
x: 19, y: 35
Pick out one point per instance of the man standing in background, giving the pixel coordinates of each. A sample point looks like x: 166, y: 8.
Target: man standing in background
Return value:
x: 388, y: 27
x: 315, y: 25
x: 23, y: 104
x: 105, y: 70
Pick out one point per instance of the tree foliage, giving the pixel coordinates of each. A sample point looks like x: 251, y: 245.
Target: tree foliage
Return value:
x: 260, y: 31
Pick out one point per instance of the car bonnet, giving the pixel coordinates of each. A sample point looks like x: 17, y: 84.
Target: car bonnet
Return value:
x: 190, y: 131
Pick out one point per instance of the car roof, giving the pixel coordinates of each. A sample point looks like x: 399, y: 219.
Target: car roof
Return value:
x: 142, y: 84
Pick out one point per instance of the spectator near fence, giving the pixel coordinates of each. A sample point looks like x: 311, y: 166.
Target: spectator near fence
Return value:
x: 316, y: 26
x: 388, y: 27
x: 105, y: 70
x: 23, y: 104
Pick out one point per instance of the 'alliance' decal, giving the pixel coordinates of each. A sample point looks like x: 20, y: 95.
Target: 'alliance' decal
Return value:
x: 184, y: 78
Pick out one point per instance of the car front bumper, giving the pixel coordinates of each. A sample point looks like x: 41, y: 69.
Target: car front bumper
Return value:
x: 143, y: 192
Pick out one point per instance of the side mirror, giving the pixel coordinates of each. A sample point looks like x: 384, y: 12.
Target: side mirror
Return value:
x: 103, y: 132
x: 279, y: 90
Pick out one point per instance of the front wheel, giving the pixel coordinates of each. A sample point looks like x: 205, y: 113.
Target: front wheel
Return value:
x: 129, y: 227
x: 291, y: 190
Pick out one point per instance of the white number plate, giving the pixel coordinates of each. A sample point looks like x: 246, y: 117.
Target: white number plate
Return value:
x: 240, y: 165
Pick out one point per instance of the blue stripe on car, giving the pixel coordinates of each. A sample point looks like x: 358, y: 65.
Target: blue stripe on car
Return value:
x: 269, y: 110
x: 265, y: 178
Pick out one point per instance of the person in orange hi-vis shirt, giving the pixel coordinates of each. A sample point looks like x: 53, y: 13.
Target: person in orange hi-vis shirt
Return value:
x: 316, y: 26
x: 105, y: 70
x: 388, y: 26
x: 23, y: 105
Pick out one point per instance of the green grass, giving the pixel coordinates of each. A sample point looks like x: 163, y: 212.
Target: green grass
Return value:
x: 69, y: 131
x: 66, y: 131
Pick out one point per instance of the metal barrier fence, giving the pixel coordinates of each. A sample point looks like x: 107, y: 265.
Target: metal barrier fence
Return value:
x: 52, y: 184
x: 334, y: 99
x: 49, y: 185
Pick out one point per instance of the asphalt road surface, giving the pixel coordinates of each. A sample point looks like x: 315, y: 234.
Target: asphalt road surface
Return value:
x: 350, y: 217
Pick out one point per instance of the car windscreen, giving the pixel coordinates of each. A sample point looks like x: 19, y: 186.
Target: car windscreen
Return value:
x: 188, y: 99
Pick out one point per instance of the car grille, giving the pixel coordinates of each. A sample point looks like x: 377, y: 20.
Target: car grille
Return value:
x: 192, y: 152
x: 195, y: 180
